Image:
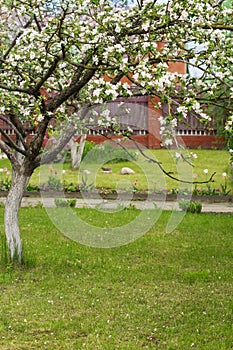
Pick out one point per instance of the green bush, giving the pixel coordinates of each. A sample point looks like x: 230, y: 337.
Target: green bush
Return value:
x: 60, y: 202
x: 107, y: 151
x: 190, y: 206
x: 89, y: 145
x: 54, y: 183
x: 71, y: 203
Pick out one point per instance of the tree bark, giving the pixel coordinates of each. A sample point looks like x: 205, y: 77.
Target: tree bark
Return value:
x: 76, y: 157
x: 12, y: 206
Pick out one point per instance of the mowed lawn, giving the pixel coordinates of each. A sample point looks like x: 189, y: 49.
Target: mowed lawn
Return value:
x: 147, y: 174
x: 163, y: 291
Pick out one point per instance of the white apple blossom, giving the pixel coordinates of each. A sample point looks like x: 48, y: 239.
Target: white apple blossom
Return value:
x: 183, y: 110
x: 168, y: 142
x: 40, y: 118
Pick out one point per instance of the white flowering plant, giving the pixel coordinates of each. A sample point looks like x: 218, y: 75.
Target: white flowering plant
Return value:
x: 58, y: 58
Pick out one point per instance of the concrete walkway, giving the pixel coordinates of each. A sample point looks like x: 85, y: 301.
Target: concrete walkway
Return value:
x: 222, y: 207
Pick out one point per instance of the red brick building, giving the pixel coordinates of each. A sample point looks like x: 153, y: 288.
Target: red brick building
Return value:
x: 143, y: 120
x: 146, y: 127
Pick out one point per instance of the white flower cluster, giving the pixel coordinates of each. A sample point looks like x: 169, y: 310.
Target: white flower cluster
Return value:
x: 196, y: 107
x: 101, y: 90
x: 229, y: 124
x: 183, y: 110
x: 167, y: 130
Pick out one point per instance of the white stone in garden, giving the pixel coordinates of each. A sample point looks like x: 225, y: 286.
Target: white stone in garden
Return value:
x: 127, y: 171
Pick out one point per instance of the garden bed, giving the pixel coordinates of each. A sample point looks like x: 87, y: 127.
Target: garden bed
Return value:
x: 136, y: 196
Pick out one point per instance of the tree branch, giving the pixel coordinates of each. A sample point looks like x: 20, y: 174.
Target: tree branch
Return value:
x: 13, y: 89
x: 17, y: 123
x: 15, y: 39
x: 49, y: 72
x: 37, y: 24
x: 220, y: 26
x: 18, y: 133
x: 72, y: 89
x: 57, y: 148
x: 37, y: 141
x: 167, y: 173
x: 117, y: 78
x: 10, y: 154
x: 12, y: 143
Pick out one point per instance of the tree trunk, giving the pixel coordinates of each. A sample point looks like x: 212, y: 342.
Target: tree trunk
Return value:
x: 12, y: 206
x: 76, y: 157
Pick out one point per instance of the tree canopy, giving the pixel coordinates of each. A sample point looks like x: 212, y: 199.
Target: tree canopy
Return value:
x: 55, y: 55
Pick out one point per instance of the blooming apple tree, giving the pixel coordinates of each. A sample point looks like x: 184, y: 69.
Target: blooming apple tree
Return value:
x: 59, y: 57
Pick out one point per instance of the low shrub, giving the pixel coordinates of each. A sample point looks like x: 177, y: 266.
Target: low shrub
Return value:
x: 190, y: 206
x: 97, y: 153
x: 71, y: 203
x: 53, y: 184
x: 5, y: 184
x: 60, y: 202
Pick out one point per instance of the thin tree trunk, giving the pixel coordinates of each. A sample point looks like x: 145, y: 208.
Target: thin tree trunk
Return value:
x: 76, y: 157
x: 12, y: 206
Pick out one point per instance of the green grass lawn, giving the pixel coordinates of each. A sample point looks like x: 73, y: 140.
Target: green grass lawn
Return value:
x: 147, y: 175
x: 163, y: 291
